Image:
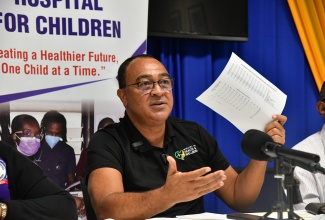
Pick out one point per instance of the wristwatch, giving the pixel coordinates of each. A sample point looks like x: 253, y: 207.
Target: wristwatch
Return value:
x: 3, y: 211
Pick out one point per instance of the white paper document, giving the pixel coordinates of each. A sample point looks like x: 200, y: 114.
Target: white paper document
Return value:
x: 243, y: 96
x: 203, y: 216
x: 209, y: 216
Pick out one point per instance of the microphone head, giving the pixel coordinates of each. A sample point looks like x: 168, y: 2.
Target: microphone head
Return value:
x: 252, y: 143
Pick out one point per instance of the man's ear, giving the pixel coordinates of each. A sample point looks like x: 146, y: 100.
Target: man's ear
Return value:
x: 122, y: 95
x: 321, y: 108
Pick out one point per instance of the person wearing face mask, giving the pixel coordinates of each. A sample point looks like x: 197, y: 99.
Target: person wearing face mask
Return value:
x: 57, y: 158
x: 25, y: 136
x: 25, y: 191
x: 32, y: 194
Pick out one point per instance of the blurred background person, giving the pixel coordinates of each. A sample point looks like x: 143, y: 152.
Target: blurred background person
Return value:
x: 104, y: 122
x: 25, y: 136
x: 32, y: 194
x: 312, y: 185
x: 82, y: 163
x: 57, y: 158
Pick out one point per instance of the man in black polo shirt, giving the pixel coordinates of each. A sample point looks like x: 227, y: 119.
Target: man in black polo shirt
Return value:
x: 128, y: 174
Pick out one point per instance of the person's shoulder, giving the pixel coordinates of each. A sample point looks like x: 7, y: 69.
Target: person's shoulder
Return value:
x: 110, y: 132
x: 5, y: 148
x: 66, y: 146
x: 9, y: 141
x: 113, y: 129
x: 108, y: 129
x: 182, y: 122
x: 310, y: 142
x: 176, y: 120
x: 4, y: 145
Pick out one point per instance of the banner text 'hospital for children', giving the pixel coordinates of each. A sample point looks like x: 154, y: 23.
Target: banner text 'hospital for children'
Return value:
x: 70, y: 26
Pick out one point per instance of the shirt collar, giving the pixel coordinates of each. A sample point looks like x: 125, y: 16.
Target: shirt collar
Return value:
x: 322, y: 134
x: 139, y: 142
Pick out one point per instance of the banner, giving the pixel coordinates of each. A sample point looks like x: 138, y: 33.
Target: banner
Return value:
x: 64, y: 55
x: 66, y: 51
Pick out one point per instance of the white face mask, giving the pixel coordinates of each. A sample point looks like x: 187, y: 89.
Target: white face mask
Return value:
x: 52, y: 140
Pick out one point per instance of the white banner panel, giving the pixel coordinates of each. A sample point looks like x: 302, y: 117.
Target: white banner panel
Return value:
x: 63, y: 51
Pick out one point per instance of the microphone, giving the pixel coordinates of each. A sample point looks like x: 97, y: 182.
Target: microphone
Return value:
x: 252, y: 142
x: 260, y: 146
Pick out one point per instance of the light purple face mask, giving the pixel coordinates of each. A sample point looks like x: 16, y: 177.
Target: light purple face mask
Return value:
x: 28, y: 145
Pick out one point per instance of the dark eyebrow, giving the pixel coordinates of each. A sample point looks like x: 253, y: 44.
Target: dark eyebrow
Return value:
x: 164, y: 74
x: 148, y: 76
x: 142, y: 77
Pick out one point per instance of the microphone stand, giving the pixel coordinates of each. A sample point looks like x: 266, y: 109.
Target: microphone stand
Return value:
x: 280, y: 176
x: 293, y: 192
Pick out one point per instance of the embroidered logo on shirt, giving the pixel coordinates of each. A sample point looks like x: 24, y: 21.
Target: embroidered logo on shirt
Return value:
x: 186, y: 152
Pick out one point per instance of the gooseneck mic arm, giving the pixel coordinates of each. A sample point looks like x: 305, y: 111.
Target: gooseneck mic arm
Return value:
x: 260, y: 146
x: 274, y: 150
x: 311, y: 167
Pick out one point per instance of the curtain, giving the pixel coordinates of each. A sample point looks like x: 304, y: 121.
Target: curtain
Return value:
x: 309, y: 17
x: 273, y: 49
